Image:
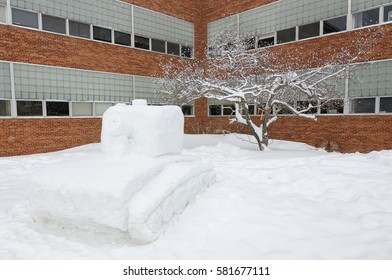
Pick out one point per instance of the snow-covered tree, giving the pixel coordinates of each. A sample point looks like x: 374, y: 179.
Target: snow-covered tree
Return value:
x: 261, y: 81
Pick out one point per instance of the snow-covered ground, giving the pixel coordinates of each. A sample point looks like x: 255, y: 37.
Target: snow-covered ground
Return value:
x: 291, y: 202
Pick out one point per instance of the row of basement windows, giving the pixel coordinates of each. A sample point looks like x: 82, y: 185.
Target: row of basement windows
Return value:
x: 334, y: 25
x: 370, y: 105
x: 35, y: 108
x: 84, y: 30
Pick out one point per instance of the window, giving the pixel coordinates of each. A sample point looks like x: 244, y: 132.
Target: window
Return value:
x: 158, y: 45
x: 286, y: 35
x: 386, y: 105
x: 29, y: 108
x: 187, y: 110
x: 228, y: 110
x: 250, y: 43
x: 2, y: 13
x: 79, y: 29
x: 387, y: 13
x: 54, y: 108
x: 335, y: 25
x: 5, y: 108
x: 102, y: 34
x: 251, y: 109
x: 215, y: 110
x: 80, y: 109
x: 53, y: 24
x: 186, y: 51
x: 304, y: 105
x: 309, y: 30
x: 24, y: 18
x: 363, y: 105
x: 100, y: 108
x: 366, y: 18
x: 333, y: 107
x: 122, y: 38
x: 173, y: 48
x: 142, y: 43
x: 265, y: 42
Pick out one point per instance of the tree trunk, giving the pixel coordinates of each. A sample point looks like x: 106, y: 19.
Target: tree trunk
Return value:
x: 250, y: 126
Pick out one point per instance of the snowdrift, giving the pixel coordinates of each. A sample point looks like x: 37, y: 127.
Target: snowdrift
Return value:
x: 124, y: 188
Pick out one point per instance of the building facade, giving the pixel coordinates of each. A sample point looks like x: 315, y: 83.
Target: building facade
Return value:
x: 63, y: 63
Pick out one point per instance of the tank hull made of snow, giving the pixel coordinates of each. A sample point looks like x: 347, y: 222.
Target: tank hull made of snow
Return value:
x: 136, y: 195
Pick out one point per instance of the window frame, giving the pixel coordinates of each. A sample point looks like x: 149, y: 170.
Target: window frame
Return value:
x: 52, y: 31
x: 10, y: 108
x: 31, y: 100
x: 76, y: 36
x: 106, y: 28
x: 25, y: 26
x: 354, y: 21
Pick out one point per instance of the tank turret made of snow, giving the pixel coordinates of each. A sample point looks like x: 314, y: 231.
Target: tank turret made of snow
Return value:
x: 145, y: 130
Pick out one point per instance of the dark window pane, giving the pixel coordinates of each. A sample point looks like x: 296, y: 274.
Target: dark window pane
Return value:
x: 366, y: 18
x: 102, y: 34
x: 187, y: 110
x: 53, y: 24
x: 215, y: 110
x: 173, y: 48
x: 309, y: 30
x: 251, y: 109
x: 335, y: 25
x: 386, y: 105
x: 265, y: 42
x: 158, y: 45
x: 24, y: 18
x: 304, y: 105
x: 250, y: 43
x: 363, y: 105
x: 333, y: 107
x: 186, y: 51
x: 388, y: 13
x: 5, y: 108
x: 287, y: 35
x: 57, y: 108
x: 122, y: 38
x: 79, y: 29
x: 228, y: 110
x: 29, y: 108
x: 142, y: 43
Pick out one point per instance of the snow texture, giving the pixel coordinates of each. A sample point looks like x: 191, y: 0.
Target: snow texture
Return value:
x: 135, y: 195
x: 146, y: 130
x: 290, y: 202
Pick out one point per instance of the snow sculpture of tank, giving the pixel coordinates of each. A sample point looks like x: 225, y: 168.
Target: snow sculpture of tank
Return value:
x: 136, y: 184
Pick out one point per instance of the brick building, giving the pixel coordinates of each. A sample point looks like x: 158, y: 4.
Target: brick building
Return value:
x: 62, y: 63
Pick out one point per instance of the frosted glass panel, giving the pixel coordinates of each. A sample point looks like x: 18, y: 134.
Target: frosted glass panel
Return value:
x: 107, y: 13
x: 358, y: 5
x: 155, y: 25
x: 5, y: 80
x: 222, y: 25
x: 80, y: 109
x: 372, y: 80
x: 282, y: 15
x: 100, y: 108
x: 2, y: 13
x: 38, y: 82
x: 145, y: 89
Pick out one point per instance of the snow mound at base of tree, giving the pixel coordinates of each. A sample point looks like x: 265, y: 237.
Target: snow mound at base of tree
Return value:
x: 146, y: 130
x: 137, y: 195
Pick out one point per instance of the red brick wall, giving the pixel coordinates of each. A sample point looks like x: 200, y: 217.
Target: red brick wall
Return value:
x: 30, y: 136
x: 335, y: 133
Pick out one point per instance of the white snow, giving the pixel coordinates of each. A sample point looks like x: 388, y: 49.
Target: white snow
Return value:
x: 290, y: 202
x: 146, y: 130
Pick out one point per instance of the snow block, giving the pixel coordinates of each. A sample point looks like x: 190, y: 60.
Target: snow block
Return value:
x: 146, y: 130
x: 136, y: 195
